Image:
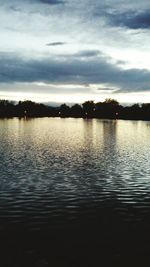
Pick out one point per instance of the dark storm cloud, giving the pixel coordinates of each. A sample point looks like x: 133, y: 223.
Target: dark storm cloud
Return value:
x: 75, y: 71
x: 132, y: 20
x: 88, y: 53
x: 51, y: 2
x: 55, y: 44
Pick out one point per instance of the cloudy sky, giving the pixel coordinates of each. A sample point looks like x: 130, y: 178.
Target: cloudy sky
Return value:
x: 75, y: 50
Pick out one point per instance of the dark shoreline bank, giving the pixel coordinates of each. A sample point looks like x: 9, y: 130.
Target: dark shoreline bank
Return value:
x: 84, y: 118
x: 109, y: 109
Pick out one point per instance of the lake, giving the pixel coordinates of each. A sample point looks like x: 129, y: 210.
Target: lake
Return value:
x: 74, y: 191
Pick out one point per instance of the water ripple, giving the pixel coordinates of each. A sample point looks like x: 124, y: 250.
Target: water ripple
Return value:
x: 54, y: 172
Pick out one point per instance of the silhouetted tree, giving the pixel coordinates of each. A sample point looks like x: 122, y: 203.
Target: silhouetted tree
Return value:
x: 145, y: 108
x: 76, y: 111
x: 88, y: 109
x: 110, y: 109
x: 7, y: 109
x: 32, y: 109
x: 111, y: 102
x: 64, y: 110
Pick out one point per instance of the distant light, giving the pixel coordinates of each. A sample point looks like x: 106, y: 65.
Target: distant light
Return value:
x: 117, y: 113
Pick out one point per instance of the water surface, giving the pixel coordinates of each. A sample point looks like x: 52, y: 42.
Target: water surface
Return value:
x: 59, y: 174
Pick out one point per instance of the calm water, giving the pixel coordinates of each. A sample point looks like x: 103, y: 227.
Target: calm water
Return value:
x: 75, y: 174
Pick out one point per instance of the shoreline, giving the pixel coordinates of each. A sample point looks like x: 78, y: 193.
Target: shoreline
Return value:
x: 71, y: 117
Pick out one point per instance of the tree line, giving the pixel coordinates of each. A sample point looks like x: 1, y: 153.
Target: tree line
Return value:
x: 109, y: 109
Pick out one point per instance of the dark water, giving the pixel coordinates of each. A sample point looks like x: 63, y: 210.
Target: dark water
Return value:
x: 73, y: 189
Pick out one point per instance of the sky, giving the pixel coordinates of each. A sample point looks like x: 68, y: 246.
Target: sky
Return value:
x: 70, y: 51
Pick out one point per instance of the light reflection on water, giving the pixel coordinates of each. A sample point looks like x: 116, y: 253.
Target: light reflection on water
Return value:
x: 53, y: 171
